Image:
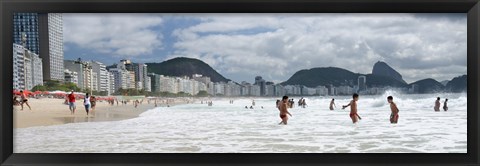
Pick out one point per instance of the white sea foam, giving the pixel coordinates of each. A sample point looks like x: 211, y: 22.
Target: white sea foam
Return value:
x: 228, y: 127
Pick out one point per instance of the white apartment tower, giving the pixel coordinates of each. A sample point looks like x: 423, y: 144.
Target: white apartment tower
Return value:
x: 50, y: 27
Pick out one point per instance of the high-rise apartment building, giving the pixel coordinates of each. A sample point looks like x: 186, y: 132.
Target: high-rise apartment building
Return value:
x: 76, y: 67
x: 26, y: 23
x: 102, y: 78
x: 27, y: 68
x: 50, y: 29
x: 362, y: 83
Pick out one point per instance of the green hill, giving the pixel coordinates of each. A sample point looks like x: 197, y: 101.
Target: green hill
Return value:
x: 429, y: 86
x: 337, y: 77
x: 185, y: 67
x: 457, y: 84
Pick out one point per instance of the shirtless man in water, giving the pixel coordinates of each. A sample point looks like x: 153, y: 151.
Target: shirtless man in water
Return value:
x: 332, y: 104
x: 282, y: 107
x: 353, y: 108
x: 437, y: 104
x: 393, y: 107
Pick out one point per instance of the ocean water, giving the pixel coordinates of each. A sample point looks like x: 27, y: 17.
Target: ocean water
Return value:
x: 230, y: 128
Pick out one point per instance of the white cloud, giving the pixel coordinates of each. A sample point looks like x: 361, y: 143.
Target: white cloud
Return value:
x: 415, y: 45
x: 121, y: 35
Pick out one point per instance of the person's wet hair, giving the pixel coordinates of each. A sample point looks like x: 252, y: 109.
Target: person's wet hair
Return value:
x: 284, y: 97
x: 355, y: 95
x: 390, y: 98
x: 438, y: 98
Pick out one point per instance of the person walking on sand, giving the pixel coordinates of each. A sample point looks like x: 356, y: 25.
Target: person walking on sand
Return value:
x: 283, y: 110
x: 93, y: 101
x: 71, y: 102
x: 353, y: 108
x: 24, y: 100
x: 394, y: 109
x: 332, y: 104
x: 437, y: 105
x: 445, y: 108
x: 86, y: 103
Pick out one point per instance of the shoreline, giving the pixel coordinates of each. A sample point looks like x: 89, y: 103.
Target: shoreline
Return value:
x: 48, y: 112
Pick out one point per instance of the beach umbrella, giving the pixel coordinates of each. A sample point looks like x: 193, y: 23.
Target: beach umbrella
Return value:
x: 37, y: 92
x: 28, y: 93
x: 16, y: 92
x: 46, y: 92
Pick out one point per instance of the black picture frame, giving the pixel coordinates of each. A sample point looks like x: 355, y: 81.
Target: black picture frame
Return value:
x: 8, y: 7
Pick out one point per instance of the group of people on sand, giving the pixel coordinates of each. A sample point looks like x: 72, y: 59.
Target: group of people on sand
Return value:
x: 284, y: 104
x: 23, y: 100
x: 89, y: 102
x: 437, y: 105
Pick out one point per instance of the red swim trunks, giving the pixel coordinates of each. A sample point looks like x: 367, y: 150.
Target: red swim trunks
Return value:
x: 283, y: 116
x: 352, y: 114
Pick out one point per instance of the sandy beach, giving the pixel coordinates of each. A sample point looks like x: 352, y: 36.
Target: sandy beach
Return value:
x: 48, y: 111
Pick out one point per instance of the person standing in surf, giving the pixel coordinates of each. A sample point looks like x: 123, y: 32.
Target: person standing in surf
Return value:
x: 283, y: 110
x: 353, y: 108
x: 394, y: 109
x: 437, y: 105
x: 332, y: 104
x: 86, y: 102
x: 445, y: 108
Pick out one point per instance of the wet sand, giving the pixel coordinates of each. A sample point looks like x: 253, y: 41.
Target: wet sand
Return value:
x: 48, y: 111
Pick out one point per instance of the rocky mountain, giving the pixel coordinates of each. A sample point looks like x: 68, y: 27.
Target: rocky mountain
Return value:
x: 444, y: 82
x: 457, y: 84
x: 185, y: 67
x: 428, y: 86
x: 383, y: 69
x: 321, y: 76
x: 337, y: 77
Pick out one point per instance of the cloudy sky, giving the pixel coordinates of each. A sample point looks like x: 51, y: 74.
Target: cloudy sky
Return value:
x: 275, y: 46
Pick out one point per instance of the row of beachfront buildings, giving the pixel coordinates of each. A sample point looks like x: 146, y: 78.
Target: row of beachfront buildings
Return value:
x: 94, y: 75
x: 128, y: 75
